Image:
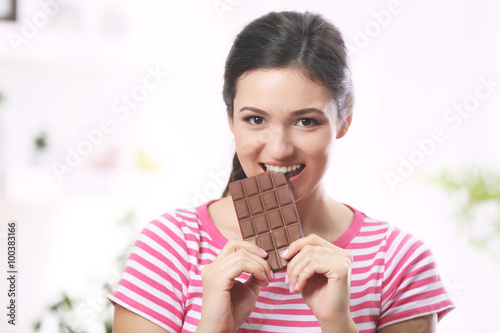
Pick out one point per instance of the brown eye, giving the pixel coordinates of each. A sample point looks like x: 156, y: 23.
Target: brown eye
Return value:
x: 255, y: 120
x: 307, y: 122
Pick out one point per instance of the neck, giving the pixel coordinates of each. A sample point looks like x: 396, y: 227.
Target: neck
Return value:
x: 320, y: 214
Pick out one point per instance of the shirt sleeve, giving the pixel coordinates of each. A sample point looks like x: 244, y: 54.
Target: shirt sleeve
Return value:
x: 412, y: 286
x: 155, y: 278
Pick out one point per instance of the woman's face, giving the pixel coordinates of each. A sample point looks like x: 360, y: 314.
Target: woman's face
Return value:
x: 284, y: 120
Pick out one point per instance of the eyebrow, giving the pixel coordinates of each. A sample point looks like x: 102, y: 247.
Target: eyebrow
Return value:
x: 294, y: 113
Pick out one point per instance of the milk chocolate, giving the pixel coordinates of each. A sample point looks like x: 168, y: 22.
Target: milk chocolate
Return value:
x: 267, y: 214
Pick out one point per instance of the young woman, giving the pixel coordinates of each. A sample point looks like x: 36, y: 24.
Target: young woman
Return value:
x: 288, y: 92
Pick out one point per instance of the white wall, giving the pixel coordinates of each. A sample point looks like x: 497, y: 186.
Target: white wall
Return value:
x: 68, y: 76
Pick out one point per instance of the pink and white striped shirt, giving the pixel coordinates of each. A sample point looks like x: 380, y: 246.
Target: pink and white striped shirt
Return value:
x: 394, y: 277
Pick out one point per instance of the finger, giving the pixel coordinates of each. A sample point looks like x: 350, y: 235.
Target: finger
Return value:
x: 243, y: 261
x: 262, y: 259
x: 331, y: 262
x: 254, y: 284
x: 309, y: 256
x: 305, y: 275
x: 299, y: 244
x: 298, y: 263
x: 339, y: 271
x: 234, y: 245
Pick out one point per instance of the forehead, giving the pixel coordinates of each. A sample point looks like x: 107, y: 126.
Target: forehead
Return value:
x: 280, y: 89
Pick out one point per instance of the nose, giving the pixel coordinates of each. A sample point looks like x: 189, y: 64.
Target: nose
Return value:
x: 279, y: 144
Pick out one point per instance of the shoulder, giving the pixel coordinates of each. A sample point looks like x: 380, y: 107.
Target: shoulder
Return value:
x: 402, y: 246
x: 406, y: 259
x: 385, y: 240
x: 393, y: 239
x: 175, y: 221
x: 176, y: 231
x: 407, y: 276
x: 190, y: 228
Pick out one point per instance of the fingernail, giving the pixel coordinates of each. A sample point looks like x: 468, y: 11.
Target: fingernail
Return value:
x: 297, y: 286
x: 263, y: 251
x: 290, y: 288
x: 286, y: 278
x: 283, y: 255
x: 265, y: 277
x: 272, y: 275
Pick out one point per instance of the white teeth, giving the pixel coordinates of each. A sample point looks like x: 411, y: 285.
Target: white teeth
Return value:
x: 283, y: 169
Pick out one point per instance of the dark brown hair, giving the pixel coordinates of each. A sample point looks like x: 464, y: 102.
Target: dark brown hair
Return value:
x: 306, y: 41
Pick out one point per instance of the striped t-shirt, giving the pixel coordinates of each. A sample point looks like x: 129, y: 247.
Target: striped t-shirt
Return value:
x: 394, y: 277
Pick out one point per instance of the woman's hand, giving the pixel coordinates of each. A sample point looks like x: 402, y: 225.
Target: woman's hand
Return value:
x: 321, y: 272
x: 227, y: 303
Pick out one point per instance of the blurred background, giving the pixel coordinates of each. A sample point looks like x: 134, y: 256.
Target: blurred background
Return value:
x: 111, y: 113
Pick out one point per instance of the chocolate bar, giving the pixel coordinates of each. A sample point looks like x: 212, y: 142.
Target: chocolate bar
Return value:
x: 267, y: 214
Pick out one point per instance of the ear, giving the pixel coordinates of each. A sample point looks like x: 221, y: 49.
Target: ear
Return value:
x: 344, y: 127
x: 230, y: 121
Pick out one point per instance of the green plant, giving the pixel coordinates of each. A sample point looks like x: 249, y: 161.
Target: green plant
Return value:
x: 41, y: 141
x: 63, y: 310
x: 477, y: 191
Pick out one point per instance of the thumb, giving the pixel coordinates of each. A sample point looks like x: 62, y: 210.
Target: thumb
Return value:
x: 254, y: 284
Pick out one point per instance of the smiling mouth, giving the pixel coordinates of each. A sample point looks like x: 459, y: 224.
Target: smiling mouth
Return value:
x: 289, y: 170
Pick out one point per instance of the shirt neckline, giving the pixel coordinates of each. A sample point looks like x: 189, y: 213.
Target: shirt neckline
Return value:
x: 208, y: 226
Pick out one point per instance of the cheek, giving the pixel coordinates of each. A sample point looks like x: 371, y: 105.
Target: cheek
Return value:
x: 317, y: 146
x: 248, y: 142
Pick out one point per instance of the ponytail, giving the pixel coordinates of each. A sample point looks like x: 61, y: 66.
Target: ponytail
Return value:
x: 236, y: 174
